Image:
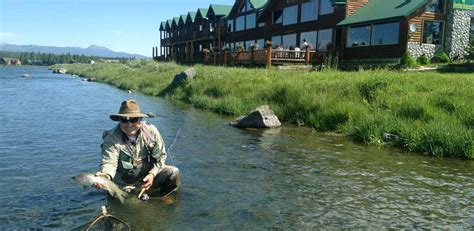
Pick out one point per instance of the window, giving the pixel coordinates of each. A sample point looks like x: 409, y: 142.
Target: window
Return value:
x: 240, y: 23
x: 248, y: 44
x: 250, y: 21
x: 290, y: 15
x: 289, y: 40
x: 239, y: 45
x: 230, y: 26
x: 242, y: 8
x: 436, y: 6
x: 311, y: 38
x: 324, y: 39
x: 277, y: 16
x: 309, y: 11
x: 384, y: 34
x: 358, y: 36
x: 211, y: 27
x: 260, y: 24
x: 276, y: 40
x: 432, y: 32
x: 248, y: 5
x: 326, y: 7
x: 261, y: 43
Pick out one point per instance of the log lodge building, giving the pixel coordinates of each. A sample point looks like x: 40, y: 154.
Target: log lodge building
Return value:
x: 282, y: 31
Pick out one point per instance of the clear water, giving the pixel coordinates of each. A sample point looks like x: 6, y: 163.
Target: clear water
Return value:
x: 287, y: 178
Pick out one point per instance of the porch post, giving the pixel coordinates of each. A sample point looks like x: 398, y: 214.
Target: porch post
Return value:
x: 306, y: 55
x: 269, y: 56
x: 225, y: 58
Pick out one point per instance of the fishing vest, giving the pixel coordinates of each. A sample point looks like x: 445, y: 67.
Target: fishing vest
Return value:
x: 132, y: 168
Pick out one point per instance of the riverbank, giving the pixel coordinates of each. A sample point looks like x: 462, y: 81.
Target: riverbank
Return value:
x: 429, y: 113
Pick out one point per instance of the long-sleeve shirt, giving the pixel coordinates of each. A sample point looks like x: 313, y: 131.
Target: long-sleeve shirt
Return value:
x: 120, y: 155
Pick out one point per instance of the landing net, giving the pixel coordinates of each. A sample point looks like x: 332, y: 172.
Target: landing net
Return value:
x: 108, y: 222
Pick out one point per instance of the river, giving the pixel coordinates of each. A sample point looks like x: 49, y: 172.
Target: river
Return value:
x: 286, y: 178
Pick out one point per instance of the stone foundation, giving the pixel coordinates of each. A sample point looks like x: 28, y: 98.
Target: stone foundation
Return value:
x: 417, y: 49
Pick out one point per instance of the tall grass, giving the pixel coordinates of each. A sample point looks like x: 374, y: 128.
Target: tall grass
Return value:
x: 430, y: 113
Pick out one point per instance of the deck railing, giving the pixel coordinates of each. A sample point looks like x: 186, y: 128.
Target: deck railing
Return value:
x: 267, y: 56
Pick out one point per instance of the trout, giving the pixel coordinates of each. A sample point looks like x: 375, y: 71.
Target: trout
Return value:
x: 88, y: 179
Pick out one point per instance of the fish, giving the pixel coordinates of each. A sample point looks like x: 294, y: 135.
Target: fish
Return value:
x: 88, y: 179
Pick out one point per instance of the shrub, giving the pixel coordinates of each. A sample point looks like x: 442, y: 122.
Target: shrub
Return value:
x: 407, y: 60
x: 423, y: 59
x: 440, y: 57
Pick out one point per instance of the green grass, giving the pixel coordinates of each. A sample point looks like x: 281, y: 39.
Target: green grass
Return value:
x: 431, y: 113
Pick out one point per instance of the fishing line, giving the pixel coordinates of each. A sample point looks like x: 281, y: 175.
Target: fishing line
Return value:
x: 170, y: 146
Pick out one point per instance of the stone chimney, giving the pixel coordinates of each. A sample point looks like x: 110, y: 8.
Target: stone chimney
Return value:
x: 353, y: 5
x: 458, y: 23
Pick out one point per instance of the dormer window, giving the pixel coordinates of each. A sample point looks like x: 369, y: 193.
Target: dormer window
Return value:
x: 242, y: 8
x: 247, y: 6
x: 436, y: 6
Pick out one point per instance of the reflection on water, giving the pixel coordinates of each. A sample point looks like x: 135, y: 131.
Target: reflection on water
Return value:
x: 285, y: 178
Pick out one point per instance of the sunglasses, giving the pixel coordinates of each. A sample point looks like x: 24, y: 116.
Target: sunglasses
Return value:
x: 131, y: 120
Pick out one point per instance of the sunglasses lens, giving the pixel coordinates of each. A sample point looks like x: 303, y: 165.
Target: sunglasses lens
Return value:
x: 131, y: 120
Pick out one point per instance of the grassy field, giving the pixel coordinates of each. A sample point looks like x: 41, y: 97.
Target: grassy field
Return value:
x: 429, y: 113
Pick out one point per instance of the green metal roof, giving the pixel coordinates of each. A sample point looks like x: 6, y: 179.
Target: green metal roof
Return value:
x: 383, y: 9
x: 258, y: 3
x: 182, y: 19
x: 175, y: 21
x: 191, y: 16
x: 220, y: 10
x: 169, y: 23
x: 202, y: 12
x: 162, y: 25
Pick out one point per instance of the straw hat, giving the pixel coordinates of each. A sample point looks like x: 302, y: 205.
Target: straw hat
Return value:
x: 129, y: 108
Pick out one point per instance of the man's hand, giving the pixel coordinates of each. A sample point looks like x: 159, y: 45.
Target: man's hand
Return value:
x: 100, y: 174
x: 148, y: 181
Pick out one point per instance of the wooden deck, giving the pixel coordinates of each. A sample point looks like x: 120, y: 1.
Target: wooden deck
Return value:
x: 259, y: 57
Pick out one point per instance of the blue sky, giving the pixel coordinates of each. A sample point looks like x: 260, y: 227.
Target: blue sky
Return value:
x: 121, y: 25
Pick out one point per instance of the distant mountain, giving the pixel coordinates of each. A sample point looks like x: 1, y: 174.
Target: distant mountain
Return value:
x: 92, y: 50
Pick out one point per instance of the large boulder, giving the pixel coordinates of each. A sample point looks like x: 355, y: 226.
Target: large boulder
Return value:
x: 60, y: 71
x: 261, y: 117
x: 184, y: 76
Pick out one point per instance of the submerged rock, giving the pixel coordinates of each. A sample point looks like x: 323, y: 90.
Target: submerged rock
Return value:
x: 261, y: 117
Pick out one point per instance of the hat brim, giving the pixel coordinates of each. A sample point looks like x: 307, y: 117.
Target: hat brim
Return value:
x: 116, y: 117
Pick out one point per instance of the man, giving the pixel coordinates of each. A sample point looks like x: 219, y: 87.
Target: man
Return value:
x: 134, y: 154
